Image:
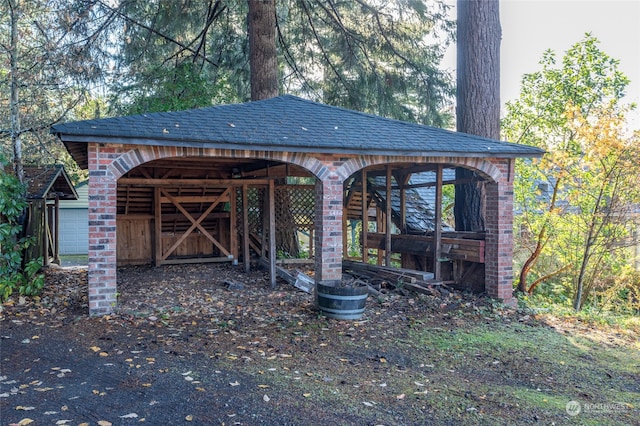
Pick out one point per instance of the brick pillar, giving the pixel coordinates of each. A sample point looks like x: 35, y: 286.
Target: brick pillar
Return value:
x: 102, y: 233
x: 499, y: 241
x: 328, y: 230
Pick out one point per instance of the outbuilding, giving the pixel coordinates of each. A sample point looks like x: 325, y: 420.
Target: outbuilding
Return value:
x: 215, y: 184
x: 47, y: 186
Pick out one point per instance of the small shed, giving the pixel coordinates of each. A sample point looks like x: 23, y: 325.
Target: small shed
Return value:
x: 46, y: 186
x: 214, y: 184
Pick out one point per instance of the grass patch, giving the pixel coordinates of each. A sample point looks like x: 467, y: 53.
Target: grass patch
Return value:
x: 473, y: 373
x: 537, y: 369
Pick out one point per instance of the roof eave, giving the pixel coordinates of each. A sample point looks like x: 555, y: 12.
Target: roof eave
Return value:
x: 489, y: 153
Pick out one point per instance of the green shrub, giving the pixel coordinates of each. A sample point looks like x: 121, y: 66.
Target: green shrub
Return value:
x: 26, y: 279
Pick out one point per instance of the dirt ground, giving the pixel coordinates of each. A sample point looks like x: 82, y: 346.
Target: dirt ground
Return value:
x: 186, y: 347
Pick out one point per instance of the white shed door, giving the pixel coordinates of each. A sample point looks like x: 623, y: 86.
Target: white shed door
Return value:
x: 74, y: 231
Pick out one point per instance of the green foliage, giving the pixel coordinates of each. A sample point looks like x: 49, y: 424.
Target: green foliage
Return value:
x: 574, y: 205
x: 58, y: 55
x: 179, y: 88
x: 26, y: 280
x: 177, y: 55
x: 601, y: 311
x: 619, y: 294
x: 363, y: 55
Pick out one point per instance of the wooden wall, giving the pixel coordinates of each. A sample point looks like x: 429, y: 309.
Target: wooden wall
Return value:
x: 136, y: 241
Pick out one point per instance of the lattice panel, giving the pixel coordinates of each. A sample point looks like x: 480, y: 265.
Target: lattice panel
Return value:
x: 255, y: 204
x: 295, y: 206
x: 294, y: 211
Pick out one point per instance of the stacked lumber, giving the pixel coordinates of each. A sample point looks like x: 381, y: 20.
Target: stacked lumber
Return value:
x: 417, y: 281
x: 366, y: 274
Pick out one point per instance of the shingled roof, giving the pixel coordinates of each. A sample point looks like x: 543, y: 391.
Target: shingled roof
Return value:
x: 48, y: 181
x: 284, y: 123
x: 419, y: 202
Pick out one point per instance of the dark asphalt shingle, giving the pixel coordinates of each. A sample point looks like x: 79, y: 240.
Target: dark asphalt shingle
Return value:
x: 288, y: 123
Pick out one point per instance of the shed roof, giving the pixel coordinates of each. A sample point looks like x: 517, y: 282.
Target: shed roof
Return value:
x: 48, y: 181
x: 283, y: 123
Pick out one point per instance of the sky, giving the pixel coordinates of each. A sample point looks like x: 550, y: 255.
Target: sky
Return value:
x: 529, y: 27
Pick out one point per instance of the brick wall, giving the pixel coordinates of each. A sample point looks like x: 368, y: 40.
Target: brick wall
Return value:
x: 102, y: 230
x: 499, y: 234
x: 328, y: 230
x: 108, y: 162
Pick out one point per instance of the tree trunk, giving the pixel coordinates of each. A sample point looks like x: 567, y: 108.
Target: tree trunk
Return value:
x: 468, y: 207
x: 286, y: 231
x: 541, y: 242
x: 531, y: 261
x: 595, y: 230
x: 478, y: 97
x: 14, y: 109
x: 262, y: 49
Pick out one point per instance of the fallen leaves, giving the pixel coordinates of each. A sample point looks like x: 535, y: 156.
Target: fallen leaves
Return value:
x: 169, y: 315
x: 60, y: 372
x: 129, y: 416
x: 23, y: 422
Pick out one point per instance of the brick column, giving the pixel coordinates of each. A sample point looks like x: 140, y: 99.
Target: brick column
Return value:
x: 102, y: 232
x: 499, y: 240
x: 328, y: 230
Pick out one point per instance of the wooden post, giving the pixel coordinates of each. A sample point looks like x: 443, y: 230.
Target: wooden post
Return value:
x: 387, y: 245
x: 245, y: 229
x: 437, y: 231
x: 365, y: 218
x: 45, y: 233
x: 379, y: 229
x: 272, y: 233
x: 265, y: 223
x: 402, y: 183
x: 345, y: 228
x: 233, y: 224
x: 56, y: 230
x: 157, y: 226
